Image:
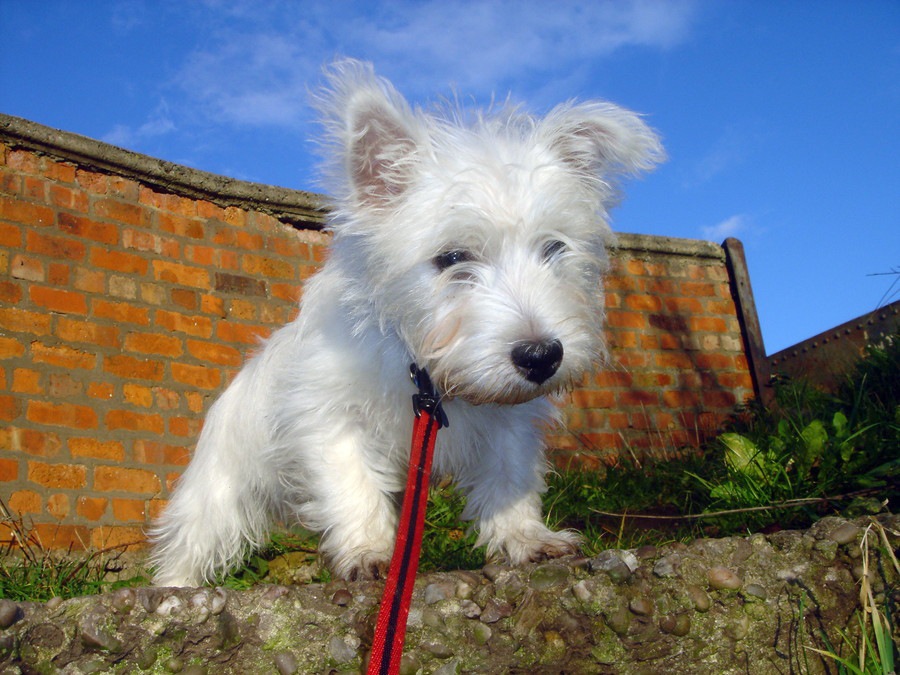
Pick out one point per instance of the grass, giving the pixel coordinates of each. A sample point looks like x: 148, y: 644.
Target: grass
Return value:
x: 29, y: 571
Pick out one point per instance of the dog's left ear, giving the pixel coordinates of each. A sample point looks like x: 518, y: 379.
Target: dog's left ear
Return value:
x: 601, y: 139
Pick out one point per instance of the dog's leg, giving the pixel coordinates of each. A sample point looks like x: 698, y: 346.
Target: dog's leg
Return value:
x: 504, y: 498
x: 350, y: 503
x: 220, y: 506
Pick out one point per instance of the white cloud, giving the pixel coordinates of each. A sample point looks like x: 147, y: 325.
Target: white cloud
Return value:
x: 158, y: 123
x: 730, y: 227
x: 259, y: 59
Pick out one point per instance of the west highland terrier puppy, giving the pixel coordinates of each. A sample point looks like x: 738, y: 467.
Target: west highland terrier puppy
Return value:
x: 472, y: 244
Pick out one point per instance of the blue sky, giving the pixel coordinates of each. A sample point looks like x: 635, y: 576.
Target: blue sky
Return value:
x: 781, y: 119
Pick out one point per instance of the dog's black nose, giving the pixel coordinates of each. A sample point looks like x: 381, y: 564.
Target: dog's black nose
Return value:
x: 537, y: 361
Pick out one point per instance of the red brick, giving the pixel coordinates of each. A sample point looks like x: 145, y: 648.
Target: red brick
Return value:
x: 63, y: 385
x: 137, y: 394
x: 119, y: 211
x: 252, y: 241
x: 25, y: 501
x: 87, y: 332
x: 10, y: 347
x: 10, y: 183
x: 61, y: 414
x: 121, y: 479
x: 9, y: 408
x: 735, y: 380
x: 59, y: 300
x: 198, y: 326
x: 121, y: 312
x: 707, y: 324
x: 643, y: 303
x: 58, y: 274
x: 213, y: 352
x: 118, y: 537
x: 59, y: 536
x: 212, y: 305
x: 63, y: 248
x: 197, y: 376
x: 236, y: 332
x: 10, y: 292
x: 23, y: 321
x: 242, y: 310
x: 612, y: 378
x: 26, y: 381
x: 289, y: 292
x: 626, y: 319
x: 10, y: 235
x: 62, y: 356
x: 678, y: 360
x: 185, y: 298
x: 34, y: 189
x: 101, y: 390
x: 57, y: 476
x: 27, y: 268
x: 89, y: 280
x: 150, y: 197
x: 181, y: 226
x: 66, y: 197
x: 133, y: 368
x: 585, y: 398
x: 119, y: 261
x: 636, y: 397
x: 9, y: 470
x: 680, y: 305
x: 166, y: 399
x: 154, y: 343
x: 185, y: 427
x: 719, y: 399
x: 31, y: 441
x: 80, y: 226
x: 25, y: 161
x: 59, y: 172
x: 134, y: 421
x: 125, y: 188
x: 712, y: 361
x: 26, y: 213
x: 698, y: 289
x: 129, y: 510
x: 91, y: 508
x: 184, y: 275
x: 267, y: 267
x: 58, y: 506
x: 96, y: 449
x: 679, y: 398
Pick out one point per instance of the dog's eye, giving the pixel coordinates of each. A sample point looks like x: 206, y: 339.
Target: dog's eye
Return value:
x: 553, y: 249
x: 451, y: 258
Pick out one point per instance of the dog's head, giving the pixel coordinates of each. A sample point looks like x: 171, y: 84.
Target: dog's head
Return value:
x: 479, y: 238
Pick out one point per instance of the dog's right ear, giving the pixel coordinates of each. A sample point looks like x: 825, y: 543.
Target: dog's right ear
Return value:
x: 380, y: 148
x: 372, y: 131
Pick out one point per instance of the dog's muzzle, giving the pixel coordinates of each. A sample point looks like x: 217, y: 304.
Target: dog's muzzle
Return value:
x: 537, y: 361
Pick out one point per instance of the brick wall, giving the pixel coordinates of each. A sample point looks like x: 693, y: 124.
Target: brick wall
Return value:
x: 131, y: 290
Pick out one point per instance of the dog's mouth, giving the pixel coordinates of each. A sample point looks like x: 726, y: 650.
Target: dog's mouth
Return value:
x: 510, y: 390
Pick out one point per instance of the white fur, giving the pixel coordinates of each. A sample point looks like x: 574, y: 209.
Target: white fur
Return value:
x: 317, y: 425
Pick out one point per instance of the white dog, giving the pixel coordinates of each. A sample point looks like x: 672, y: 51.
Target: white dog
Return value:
x: 469, y: 243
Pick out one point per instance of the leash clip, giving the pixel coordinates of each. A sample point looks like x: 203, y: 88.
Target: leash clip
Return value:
x: 427, y: 399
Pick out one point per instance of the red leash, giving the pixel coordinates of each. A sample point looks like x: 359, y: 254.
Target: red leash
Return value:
x: 390, y: 631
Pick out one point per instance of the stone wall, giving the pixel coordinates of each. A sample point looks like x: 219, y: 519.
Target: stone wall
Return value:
x: 132, y: 289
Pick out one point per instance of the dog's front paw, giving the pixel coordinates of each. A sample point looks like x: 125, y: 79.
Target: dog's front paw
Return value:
x: 366, y: 567
x: 556, y: 545
x: 368, y: 570
x: 535, y: 543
